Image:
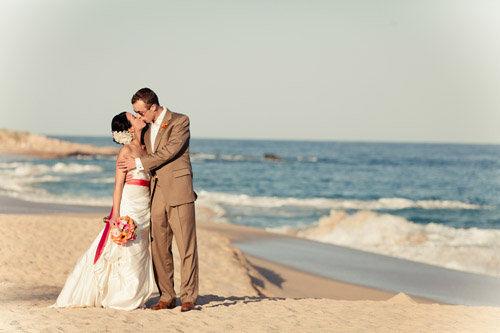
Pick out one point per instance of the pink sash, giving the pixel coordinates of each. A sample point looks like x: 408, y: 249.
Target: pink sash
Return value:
x: 104, y: 238
x: 140, y: 182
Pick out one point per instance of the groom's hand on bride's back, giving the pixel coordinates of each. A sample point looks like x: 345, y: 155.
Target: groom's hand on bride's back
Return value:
x: 126, y: 163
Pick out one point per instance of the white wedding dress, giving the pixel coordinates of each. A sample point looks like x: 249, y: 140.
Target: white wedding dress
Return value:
x: 123, y: 277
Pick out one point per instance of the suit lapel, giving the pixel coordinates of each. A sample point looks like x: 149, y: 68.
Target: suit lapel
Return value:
x: 166, y: 119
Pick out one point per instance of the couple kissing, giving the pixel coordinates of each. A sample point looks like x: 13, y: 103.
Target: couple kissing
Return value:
x: 154, y: 188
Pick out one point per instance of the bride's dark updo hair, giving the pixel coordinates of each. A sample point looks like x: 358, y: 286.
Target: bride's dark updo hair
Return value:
x: 120, y: 123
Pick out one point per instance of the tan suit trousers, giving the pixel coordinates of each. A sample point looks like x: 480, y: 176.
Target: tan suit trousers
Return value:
x: 179, y: 222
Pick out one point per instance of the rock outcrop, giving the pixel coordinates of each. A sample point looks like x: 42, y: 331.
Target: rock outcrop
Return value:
x: 15, y: 142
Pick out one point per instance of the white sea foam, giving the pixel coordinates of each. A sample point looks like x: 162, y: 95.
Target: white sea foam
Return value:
x: 205, y: 201
x: 11, y: 164
x: 108, y: 180
x: 41, y: 196
x: 307, y: 159
x: 75, y: 168
x: 17, y: 169
x: 22, y: 185
x: 17, y: 180
x: 94, y: 157
x: 473, y: 250
x: 345, y: 204
x: 204, y: 157
x: 44, y: 179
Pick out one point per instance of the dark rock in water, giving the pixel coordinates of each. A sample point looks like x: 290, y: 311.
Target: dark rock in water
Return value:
x: 272, y: 157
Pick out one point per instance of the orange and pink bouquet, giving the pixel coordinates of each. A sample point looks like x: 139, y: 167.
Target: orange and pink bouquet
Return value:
x: 124, y: 231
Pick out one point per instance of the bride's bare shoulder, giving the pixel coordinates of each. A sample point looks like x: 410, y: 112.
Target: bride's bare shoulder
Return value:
x: 131, y: 151
x: 124, y: 150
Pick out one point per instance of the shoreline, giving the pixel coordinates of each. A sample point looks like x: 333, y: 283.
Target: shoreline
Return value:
x: 283, y: 275
x: 277, y: 279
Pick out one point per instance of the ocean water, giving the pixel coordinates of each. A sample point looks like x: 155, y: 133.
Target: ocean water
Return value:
x: 434, y: 203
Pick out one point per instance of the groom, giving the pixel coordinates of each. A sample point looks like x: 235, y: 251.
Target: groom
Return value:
x: 172, y: 201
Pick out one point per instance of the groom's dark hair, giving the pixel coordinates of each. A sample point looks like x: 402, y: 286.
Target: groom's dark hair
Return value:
x: 146, y: 95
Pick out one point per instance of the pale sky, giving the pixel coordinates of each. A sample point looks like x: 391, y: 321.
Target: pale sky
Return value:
x: 373, y: 70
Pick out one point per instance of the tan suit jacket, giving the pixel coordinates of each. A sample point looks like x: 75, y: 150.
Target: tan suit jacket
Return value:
x: 170, y: 165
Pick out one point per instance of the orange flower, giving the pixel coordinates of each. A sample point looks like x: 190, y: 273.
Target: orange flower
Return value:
x: 124, y: 231
x: 163, y: 125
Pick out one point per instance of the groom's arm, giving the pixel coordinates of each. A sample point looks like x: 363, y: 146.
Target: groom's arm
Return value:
x: 178, y: 140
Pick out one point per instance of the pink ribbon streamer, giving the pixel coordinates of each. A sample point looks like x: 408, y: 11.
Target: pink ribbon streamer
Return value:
x: 104, y: 238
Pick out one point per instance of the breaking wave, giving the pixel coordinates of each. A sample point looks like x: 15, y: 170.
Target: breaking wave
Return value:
x: 344, y: 204
x: 21, y: 169
x: 472, y: 250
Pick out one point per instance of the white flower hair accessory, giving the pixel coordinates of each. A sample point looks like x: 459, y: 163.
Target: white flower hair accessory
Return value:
x: 122, y: 137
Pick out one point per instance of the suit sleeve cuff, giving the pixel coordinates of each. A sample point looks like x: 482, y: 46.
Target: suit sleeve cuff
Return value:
x: 138, y: 164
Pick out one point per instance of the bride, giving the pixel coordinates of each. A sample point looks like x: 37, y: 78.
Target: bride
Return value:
x: 122, y: 277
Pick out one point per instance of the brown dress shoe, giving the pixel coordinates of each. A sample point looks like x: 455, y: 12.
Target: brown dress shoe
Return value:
x: 163, y: 305
x: 187, y: 306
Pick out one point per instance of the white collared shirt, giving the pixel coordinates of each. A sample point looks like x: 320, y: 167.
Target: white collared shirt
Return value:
x: 155, y: 127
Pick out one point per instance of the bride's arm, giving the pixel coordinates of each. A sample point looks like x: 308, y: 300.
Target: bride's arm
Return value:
x: 119, y: 183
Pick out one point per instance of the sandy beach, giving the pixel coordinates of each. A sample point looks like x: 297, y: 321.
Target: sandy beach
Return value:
x: 237, y: 293
x: 342, y: 159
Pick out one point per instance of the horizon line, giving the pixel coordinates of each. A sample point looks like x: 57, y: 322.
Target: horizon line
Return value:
x: 292, y: 139
x: 311, y: 140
